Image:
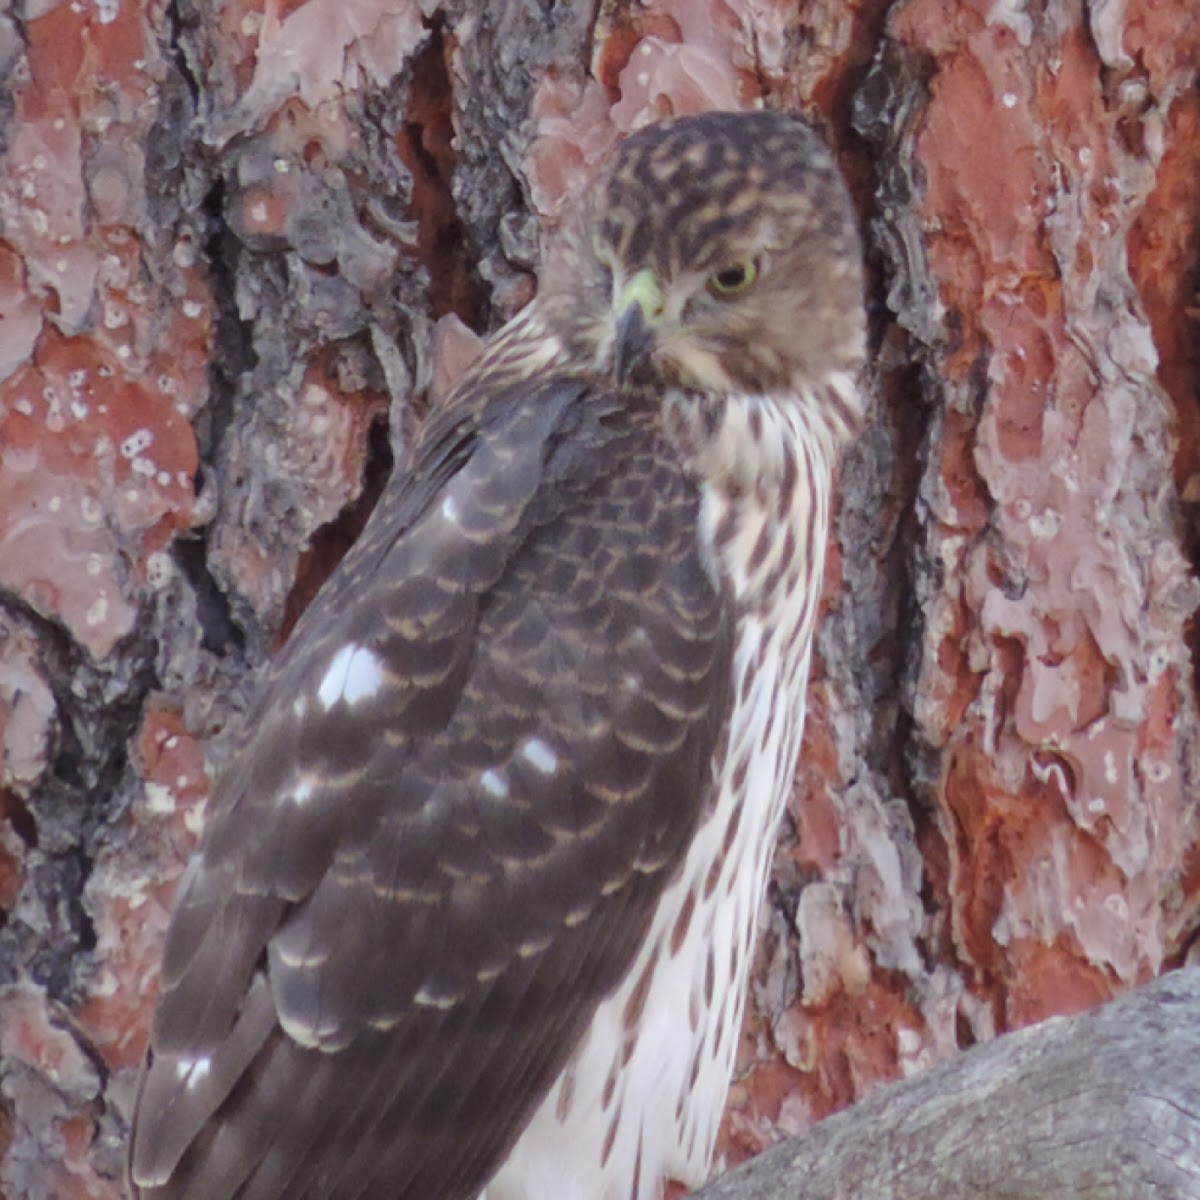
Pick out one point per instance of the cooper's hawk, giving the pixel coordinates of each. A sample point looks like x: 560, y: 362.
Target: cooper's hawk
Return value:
x: 476, y: 900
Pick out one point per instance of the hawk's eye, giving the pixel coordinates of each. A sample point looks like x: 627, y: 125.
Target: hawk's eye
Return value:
x: 733, y: 279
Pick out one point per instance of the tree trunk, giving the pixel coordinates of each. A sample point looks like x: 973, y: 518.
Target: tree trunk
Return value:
x: 230, y: 232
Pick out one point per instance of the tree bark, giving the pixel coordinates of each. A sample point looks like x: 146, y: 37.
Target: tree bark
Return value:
x: 230, y: 232
x: 1100, y: 1106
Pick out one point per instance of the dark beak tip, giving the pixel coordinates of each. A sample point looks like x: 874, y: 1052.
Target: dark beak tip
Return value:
x: 633, y: 343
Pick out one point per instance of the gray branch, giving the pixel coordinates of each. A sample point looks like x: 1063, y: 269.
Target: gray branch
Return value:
x: 1100, y: 1106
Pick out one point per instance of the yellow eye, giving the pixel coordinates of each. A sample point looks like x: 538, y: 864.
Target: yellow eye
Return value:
x: 733, y: 279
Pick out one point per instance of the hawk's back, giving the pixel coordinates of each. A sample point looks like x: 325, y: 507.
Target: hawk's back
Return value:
x: 467, y: 782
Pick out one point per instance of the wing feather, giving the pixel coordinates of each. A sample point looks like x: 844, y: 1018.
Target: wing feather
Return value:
x: 469, y: 777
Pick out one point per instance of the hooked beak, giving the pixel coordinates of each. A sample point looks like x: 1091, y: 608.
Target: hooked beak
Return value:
x: 638, y: 309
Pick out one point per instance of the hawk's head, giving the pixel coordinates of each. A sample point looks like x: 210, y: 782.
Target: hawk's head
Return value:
x: 717, y: 252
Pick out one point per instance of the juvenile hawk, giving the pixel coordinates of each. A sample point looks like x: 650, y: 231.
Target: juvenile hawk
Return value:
x: 476, y: 900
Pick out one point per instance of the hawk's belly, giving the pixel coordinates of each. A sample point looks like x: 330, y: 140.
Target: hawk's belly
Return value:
x: 642, y: 1098
x: 640, y: 1101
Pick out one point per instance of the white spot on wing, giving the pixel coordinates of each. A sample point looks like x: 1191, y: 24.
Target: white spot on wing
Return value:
x: 330, y: 1036
x: 540, y: 756
x: 494, y: 784
x: 193, y: 1071
x: 450, y: 509
x: 303, y: 791
x: 354, y: 674
x: 297, y: 960
x: 428, y: 997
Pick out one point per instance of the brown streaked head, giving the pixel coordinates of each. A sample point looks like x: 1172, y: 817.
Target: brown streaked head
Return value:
x: 717, y: 253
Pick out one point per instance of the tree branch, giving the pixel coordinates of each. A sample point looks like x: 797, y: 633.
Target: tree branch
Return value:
x: 1101, y: 1106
